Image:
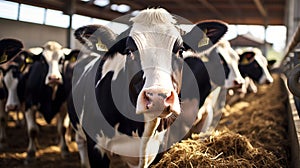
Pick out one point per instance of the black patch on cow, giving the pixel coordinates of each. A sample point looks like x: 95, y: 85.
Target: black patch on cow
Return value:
x: 95, y: 159
x: 106, y: 102
x: 225, y: 66
x: 202, y: 78
x: 3, y: 93
x: 252, y: 70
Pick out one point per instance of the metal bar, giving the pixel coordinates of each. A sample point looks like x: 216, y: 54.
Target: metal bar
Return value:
x: 293, y: 42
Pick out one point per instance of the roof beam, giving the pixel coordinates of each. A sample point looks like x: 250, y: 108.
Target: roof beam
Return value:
x: 261, y: 8
x: 212, y: 8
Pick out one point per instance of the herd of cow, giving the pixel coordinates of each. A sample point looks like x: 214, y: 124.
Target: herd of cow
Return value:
x: 128, y: 96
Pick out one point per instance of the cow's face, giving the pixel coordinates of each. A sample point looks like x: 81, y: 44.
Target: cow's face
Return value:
x: 52, y: 53
x: 13, y: 62
x: 230, y: 60
x: 255, y: 65
x: 9, y: 48
x: 159, y: 48
x: 12, y: 71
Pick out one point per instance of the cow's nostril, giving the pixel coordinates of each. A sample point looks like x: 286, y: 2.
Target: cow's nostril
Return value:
x: 52, y: 78
x: 236, y: 82
x: 169, y: 99
x: 268, y: 82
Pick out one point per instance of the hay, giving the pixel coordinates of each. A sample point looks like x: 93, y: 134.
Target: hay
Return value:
x: 252, y: 133
x: 222, y: 149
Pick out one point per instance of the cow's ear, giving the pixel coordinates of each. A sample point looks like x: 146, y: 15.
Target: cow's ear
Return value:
x: 24, y: 58
x: 204, y: 35
x: 66, y: 51
x: 97, y: 38
x: 36, y: 50
x: 72, y: 56
x: 271, y: 62
x: 246, y: 57
x: 36, y: 53
x: 9, y: 48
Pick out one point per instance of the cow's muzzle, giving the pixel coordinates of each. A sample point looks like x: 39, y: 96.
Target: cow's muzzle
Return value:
x: 158, y: 102
x: 54, y: 80
x: 11, y: 107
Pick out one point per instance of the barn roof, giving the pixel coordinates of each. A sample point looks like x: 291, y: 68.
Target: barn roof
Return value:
x: 245, y: 40
x: 259, y: 12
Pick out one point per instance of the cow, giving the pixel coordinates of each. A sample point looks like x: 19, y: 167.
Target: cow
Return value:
x: 253, y: 66
x: 124, y: 101
x: 45, y: 90
x: 210, y: 112
x: 10, y: 66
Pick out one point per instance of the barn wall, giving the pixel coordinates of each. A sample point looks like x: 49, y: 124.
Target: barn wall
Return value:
x: 33, y: 35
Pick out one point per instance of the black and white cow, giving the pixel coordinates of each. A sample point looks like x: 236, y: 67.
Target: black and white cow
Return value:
x: 10, y: 67
x: 253, y: 66
x: 212, y: 107
x: 124, y: 101
x: 46, y: 90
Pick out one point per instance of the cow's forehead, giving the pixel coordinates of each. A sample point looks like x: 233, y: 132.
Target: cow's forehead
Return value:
x: 51, y: 55
x: 154, y: 20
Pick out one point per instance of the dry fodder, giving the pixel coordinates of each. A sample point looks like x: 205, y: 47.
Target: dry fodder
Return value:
x: 221, y: 149
x: 253, y: 133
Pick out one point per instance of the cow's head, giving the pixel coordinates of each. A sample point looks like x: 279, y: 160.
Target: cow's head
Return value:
x: 230, y: 61
x: 52, y: 52
x: 9, y: 48
x: 253, y: 64
x: 156, y: 45
x: 12, y: 75
x: 13, y: 63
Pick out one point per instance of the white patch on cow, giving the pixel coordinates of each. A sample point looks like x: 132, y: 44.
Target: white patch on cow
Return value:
x: 156, y: 57
x: 11, y: 85
x: 126, y: 146
x: 52, y: 53
x: 115, y: 64
x: 80, y: 131
x: 232, y: 60
x: 263, y: 63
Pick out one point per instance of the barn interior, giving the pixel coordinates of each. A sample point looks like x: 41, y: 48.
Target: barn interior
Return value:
x: 273, y: 26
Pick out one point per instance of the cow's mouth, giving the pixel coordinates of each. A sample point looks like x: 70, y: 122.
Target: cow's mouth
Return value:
x: 237, y: 86
x: 168, y: 116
